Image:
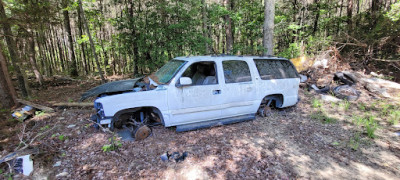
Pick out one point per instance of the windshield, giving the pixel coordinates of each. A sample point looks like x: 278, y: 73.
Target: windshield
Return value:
x: 168, y: 71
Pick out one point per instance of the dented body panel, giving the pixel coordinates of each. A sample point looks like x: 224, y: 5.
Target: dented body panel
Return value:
x: 222, y: 99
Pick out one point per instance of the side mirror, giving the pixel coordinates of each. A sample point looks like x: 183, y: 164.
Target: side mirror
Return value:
x: 184, y: 81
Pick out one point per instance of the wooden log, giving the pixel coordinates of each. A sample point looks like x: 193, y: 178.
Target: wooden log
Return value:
x: 37, y: 106
x: 74, y: 104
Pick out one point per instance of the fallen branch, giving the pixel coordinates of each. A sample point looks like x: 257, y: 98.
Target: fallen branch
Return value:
x: 37, y: 106
x: 385, y: 60
x: 74, y: 104
x: 23, y: 150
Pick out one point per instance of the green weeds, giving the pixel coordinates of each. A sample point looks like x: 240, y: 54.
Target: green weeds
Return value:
x: 316, y: 103
x: 394, y: 117
x: 113, y: 146
x: 368, y: 123
x: 355, y: 142
x: 321, y: 116
x: 345, y: 105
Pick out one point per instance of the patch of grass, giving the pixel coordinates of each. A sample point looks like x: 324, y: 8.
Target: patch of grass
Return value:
x: 316, y: 103
x: 62, y: 137
x: 113, y: 146
x: 355, y: 141
x: 345, y: 105
x: 44, y: 128
x: 40, y: 113
x: 386, y: 108
x: 336, y: 143
x: 321, y: 116
x: 362, y: 107
x: 394, y: 117
x: 333, y: 104
x: 369, y: 123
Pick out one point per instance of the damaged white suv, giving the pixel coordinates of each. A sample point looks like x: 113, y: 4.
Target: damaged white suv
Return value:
x: 197, y: 92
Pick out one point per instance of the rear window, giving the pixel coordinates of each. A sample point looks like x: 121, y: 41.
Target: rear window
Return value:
x: 275, y: 69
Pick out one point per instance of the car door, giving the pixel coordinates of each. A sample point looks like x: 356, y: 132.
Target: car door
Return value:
x: 198, y: 102
x: 238, y: 89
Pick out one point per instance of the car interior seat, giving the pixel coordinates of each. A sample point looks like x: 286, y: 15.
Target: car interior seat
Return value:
x: 211, y: 79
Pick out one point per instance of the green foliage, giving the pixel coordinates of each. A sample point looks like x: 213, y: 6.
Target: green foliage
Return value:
x: 40, y: 113
x: 113, y: 146
x: 368, y: 122
x: 62, y: 137
x: 355, y: 142
x: 44, y: 128
x: 345, y: 105
x: 362, y: 106
x: 321, y: 116
x: 316, y: 103
x: 394, y: 12
x: 394, y: 117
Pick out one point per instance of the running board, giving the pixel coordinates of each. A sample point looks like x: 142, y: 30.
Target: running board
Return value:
x: 218, y: 122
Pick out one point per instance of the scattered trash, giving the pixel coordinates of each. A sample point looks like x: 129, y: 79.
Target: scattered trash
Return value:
x: 23, y: 113
x: 71, y: 126
x: 329, y: 98
x: 376, y: 75
x: 397, y: 133
x: 321, y: 64
x: 377, y: 90
x: 302, y: 63
x: 345, y: 77
x: 175, y: 155
x: 323, y: 90
x: 346, y: 92
x: 23, y: 165
x: 57, y: 164
x: 62, y: 174
x: 303, y: 78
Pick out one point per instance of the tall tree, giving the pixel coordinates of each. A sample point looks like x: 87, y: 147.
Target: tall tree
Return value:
x: 228, y: 27
x: 269, y: 15
x: 12, y: 48
x: 350, y: 15
x: 73, y: 69
x: 103, y: 80
x: 7, y: 92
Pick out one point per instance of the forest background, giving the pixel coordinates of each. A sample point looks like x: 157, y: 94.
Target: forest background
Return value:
x: 43, y: 38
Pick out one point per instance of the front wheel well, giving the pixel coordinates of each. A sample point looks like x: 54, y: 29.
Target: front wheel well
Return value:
x: 152, y: 112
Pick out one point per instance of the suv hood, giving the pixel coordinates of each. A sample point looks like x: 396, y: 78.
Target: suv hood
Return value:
x: 111, y: 87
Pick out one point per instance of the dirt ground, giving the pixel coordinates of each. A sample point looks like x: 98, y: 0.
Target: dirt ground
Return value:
x: 289, y: 144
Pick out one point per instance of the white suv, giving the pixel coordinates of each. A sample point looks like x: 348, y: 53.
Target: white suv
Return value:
x: 197, y: 92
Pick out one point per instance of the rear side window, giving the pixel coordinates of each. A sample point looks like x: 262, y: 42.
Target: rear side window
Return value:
x: 236, y: 71
x: 275, y: 69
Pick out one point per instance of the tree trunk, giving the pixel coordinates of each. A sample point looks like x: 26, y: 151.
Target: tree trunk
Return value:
x: 205, y: 26
x: 80, y: 31
x: 316, y: 17
x: 8, y: 96
x: 73, y: 69
x: 269, y: 15
x: 228, y: 28
x: 32, y: 60
x: 350, y: 15
x: 103, y: 80
x: 12, y: 47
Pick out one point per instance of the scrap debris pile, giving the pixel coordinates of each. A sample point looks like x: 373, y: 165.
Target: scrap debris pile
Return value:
x: 332, y: 78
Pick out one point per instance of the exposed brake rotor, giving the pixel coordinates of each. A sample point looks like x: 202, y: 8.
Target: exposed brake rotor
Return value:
x: 142, y: 132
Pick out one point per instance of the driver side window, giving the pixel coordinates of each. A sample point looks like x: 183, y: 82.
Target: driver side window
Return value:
x: 202, y: 73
